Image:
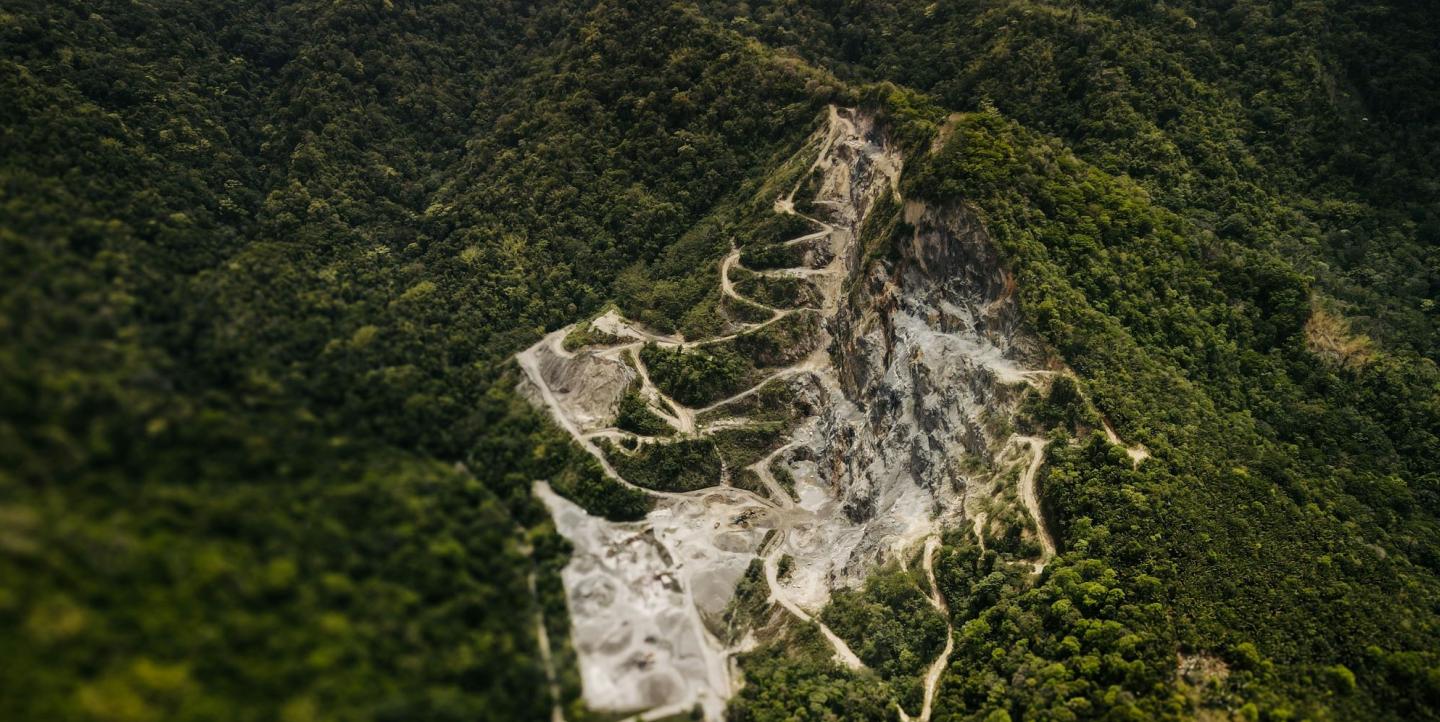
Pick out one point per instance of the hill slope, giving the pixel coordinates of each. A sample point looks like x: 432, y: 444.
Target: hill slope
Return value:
x: 265, y: 266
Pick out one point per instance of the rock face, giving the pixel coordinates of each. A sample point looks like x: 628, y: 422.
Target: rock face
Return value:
x: 927, y: 365
x: 933, y: 349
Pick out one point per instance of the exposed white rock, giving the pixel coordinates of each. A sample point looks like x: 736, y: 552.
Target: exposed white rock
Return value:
x: 636, y: 594
x: 589, y: 384
x: 924, y: 370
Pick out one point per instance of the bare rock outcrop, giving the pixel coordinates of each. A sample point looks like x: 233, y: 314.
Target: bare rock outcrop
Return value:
x: 930, y: 361
x: 588, y: 383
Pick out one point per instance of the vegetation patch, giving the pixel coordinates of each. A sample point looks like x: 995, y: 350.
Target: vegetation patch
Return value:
x: 750, y: 481
x: 892, y: 626
x: 1009, y: 529
x: 678, y: 466
x: 637, y: 417
x: 584, y: 335
x: 1329, y: 336
x: 750, y: 605
x: 776, y: 400
x: 776, y: 291
x: 781, y: 343
x: 1062, y: 406
x: 697, y: 377
x: 586, y: 483
x: 784, y: 478
x: 1085, y: 632
x: 776, y: 228
x: 744, y: 445
x: 883, y: 228
x: 701, y: 376
x: 743, y: 311
x: 789, y: 166
x: 773, y: 255
x: 794, y: 677
x: 706, y: 319
x: 806, y: 193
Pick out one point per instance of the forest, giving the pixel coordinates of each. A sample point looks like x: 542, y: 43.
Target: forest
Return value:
x: 265, y: 265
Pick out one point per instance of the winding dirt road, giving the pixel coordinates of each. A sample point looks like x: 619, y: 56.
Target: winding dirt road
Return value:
x: 682, y: 418
x: 937, y: 668
x: 1031, y: 499
x: 772, y: 573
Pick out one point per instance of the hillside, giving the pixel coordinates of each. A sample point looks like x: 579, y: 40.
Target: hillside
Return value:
x: 954, y: 361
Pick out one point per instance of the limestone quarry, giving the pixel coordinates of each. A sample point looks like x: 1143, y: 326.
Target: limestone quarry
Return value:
x: 901, y: 406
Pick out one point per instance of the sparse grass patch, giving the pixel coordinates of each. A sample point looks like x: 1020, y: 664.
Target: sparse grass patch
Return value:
x: 776, y: 400
x: 743, y: 311
x: 776, y: 291
x: 745, y: 445
x: 585, y: 335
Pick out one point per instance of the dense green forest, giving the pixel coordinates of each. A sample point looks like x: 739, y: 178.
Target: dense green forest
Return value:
x: 264, y: 265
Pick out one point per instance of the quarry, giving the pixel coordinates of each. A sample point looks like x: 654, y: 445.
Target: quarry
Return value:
x: 879, y: 416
